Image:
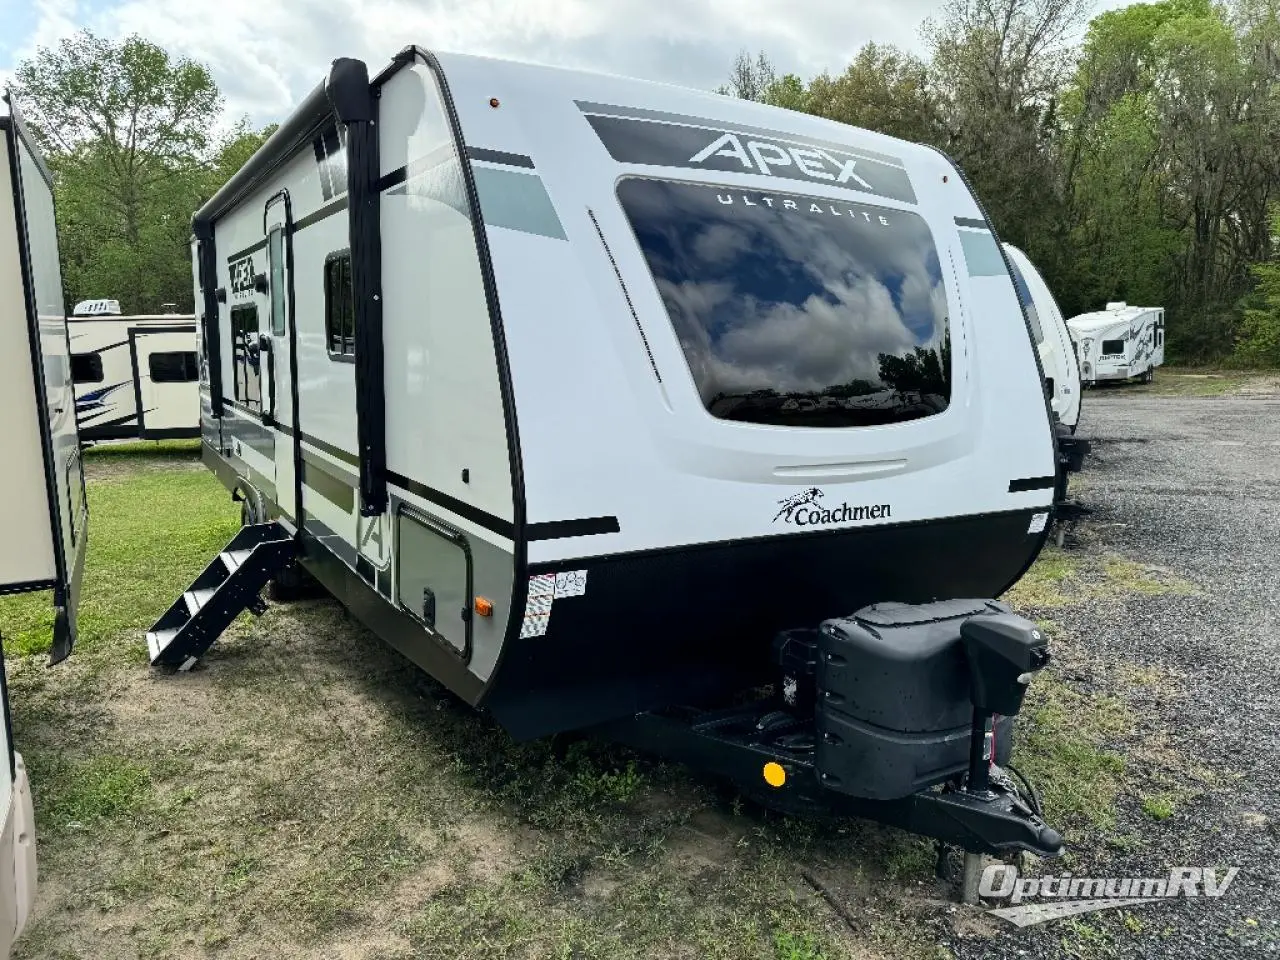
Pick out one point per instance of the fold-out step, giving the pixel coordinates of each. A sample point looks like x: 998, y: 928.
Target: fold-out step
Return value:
x: 230, y: 584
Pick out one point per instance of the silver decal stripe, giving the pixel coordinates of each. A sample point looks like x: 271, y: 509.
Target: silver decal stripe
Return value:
x: 516, y: 201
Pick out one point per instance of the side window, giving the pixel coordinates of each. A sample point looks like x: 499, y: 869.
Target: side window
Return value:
x: 339, y: 308
x: 176, y: 367
x: 275, y: 254
x: 86, y: 368
x: 247, y: 357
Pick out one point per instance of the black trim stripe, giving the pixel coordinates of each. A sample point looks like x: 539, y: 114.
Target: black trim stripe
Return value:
x: 481, y: 518
x: 26, y: 586
x: 350, y: 459
x: 500, y: 156
x: 559, y: 529
x: 972, y: 223
x: 433, y: 158
x: 323, y: 213
x: 252, y: 248
x: 393, y: 179
x: 1031, y: 483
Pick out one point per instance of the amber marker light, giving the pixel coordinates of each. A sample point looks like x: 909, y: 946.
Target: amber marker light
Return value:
x: 774, y: 775
x: 484, y: 607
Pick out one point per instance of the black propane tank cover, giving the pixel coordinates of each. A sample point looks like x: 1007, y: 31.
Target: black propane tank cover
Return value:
x: 894, y: 712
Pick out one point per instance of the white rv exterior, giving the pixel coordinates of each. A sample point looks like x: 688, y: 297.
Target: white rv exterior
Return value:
x: 135, y: 376
x: 1053, y: 340
x: 42, y: 503
x: 1118, y: 343
x: 652, y: 372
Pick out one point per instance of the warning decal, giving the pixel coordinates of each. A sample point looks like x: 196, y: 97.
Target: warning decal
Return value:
x: 544, y: 590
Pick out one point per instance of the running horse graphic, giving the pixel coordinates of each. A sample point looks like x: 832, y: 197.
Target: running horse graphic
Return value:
x: 797, y: 500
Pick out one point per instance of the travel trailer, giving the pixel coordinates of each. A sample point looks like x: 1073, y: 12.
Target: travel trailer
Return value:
x: 1061, y: 379
x: 1053, y: 340
x: 136, y: 376
x: 604, y: 401
x: 1119, y: 343
x: 42, y: 510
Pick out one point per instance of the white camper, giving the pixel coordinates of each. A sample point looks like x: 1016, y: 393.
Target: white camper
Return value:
x: 1119, y: 343
x: 42, y: 502
x: 1053, y: 340
x: 597, y: 397
x: 135, y: 376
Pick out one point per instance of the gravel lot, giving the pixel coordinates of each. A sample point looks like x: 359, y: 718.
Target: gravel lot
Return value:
x: 1190, y: 484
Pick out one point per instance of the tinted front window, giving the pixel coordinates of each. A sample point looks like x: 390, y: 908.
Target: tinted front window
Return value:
x: 1112, y: 346
x: 797, y: 310
x: 1028, y: 304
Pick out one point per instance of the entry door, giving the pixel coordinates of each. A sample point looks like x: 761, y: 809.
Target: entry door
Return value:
x: 166, y: 376
x: 278, y: 345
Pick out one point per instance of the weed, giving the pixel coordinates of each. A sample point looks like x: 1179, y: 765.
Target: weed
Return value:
x: 1158, y: 806
x: 792, y: 946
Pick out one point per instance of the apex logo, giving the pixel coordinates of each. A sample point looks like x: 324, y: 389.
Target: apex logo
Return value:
x: 803, y: 510
x: 763, y: 156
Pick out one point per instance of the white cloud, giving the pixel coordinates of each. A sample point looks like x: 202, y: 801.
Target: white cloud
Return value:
x: 266, y: 55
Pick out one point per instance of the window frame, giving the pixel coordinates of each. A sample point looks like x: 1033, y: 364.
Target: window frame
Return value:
x: 96, y: 361
x: 240, y: 387
x: 337, y: 257
x: 189, y: 366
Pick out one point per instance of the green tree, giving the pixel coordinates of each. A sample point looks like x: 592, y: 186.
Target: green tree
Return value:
x: 883, y: 89
x: 128, y: 133
x: 1259, y: 342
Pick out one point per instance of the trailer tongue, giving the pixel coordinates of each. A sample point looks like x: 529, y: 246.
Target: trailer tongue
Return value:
x: 913, y: 736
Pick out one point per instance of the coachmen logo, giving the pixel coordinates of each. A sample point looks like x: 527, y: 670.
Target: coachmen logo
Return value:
x: 803, y: 510
x: 762, y: 156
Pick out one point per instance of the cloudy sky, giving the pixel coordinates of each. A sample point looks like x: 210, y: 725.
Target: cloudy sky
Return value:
x: 266, y: 53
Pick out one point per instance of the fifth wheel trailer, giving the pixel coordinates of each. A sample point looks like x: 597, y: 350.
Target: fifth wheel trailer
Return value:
x: 604, y: 401
x: 135, y: 376
x: 1119, y: 343
x: 42, y: 502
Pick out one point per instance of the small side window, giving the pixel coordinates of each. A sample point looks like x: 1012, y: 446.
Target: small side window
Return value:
x: 86, y: 368
x: 339, y: 307
x: 177, y: 367
x: 275, y: 254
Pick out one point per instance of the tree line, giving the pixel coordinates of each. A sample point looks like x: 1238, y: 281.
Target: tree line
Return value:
x: 136, y: 141
x: 1141, y: 164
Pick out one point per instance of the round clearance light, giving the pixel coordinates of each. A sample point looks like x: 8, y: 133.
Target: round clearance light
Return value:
x: 944, y: 178
x: 774, y: 774
x: 495, y: 102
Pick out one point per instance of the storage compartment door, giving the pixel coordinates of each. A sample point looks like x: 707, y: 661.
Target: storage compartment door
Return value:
x: 167, y: 380
x: 433, y: 573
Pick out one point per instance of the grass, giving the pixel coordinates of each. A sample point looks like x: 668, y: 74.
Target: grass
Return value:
x: 151, y: 530
x: 1159, y: 806
x: 1060, y: 578
x: 306, y: 787
x: 1192, y: 382
x: 1068, y: 746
